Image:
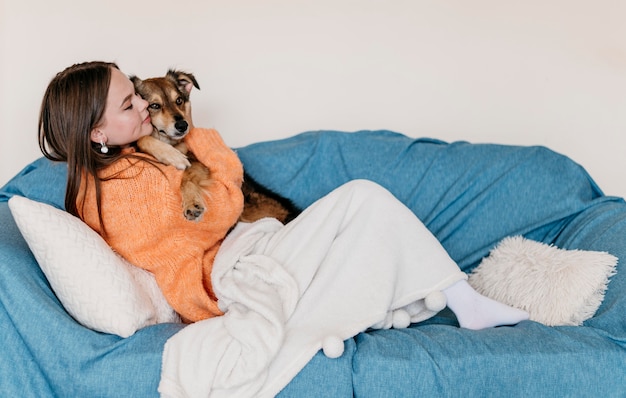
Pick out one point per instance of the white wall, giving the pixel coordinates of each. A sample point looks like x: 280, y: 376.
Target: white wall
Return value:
x: 519, y: 72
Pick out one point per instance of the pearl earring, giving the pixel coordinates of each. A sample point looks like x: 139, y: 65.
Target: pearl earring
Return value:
x: 103, y: 147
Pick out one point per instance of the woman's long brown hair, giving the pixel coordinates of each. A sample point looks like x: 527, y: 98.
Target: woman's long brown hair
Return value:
x: 73, y: 105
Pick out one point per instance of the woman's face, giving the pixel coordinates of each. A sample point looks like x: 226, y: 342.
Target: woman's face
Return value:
x: 126, y: 117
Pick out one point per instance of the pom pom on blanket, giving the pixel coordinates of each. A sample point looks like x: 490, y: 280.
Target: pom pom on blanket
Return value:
x: 414, y: 312
x: 555, y: 286
x: 332, y: 347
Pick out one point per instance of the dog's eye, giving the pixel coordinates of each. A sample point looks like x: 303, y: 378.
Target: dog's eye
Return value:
x: 155, y: 106
x: 179, y: 101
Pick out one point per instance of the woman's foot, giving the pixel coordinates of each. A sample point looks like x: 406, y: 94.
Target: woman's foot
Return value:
x: 475, y: 311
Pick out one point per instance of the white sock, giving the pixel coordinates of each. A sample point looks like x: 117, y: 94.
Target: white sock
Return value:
x: 475, y: 311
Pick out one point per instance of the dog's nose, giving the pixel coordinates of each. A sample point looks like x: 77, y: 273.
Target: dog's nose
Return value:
x: 181, y: 126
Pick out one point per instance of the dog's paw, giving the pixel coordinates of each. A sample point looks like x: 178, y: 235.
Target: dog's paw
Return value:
x: 193, y: 210
x: 174, y: 158
x: 179, y: 161
x: 194, y: 213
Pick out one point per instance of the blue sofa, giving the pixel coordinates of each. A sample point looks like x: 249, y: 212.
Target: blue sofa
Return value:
x: 470, y: 196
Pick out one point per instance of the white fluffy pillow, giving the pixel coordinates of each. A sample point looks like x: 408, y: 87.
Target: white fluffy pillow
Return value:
x: 555, y: 286
x: 95, y: 285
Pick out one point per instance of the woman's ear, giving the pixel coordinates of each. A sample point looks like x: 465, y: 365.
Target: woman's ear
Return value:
x: 98, y: 136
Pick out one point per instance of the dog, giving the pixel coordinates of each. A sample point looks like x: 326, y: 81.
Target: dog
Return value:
x: 169, y: 105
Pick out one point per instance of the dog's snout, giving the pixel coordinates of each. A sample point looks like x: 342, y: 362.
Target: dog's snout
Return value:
x: 181, y: 126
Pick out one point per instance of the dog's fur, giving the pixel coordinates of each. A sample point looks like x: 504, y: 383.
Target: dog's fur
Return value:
x: 170, y: 110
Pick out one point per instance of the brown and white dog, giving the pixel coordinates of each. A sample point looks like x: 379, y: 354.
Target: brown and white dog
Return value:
x: 170, y: 111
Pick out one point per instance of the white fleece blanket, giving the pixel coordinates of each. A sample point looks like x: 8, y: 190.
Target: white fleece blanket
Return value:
x: 276, y: 318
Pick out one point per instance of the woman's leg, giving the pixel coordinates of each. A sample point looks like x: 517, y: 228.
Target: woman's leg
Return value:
x: 363, y: 226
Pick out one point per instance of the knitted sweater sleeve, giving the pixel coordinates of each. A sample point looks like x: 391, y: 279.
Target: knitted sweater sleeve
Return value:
x: 144, y: 222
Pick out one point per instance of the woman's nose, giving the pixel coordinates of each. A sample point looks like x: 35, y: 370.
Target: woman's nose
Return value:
x: 143, y: 104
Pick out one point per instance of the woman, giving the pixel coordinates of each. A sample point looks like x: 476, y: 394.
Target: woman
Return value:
x: 91, y: 117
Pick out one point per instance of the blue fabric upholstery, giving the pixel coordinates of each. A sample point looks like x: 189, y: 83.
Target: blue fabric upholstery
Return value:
x: 470, y: 196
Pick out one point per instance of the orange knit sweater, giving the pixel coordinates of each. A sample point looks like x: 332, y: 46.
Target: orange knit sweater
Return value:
x: 143, y: 217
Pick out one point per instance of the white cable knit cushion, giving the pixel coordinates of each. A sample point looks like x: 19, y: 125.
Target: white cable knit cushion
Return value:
x: 96, y: 286
x: 555, y: 286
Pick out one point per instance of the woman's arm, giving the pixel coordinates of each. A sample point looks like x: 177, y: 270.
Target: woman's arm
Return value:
x: 209, y: 148
x: 142, y: 214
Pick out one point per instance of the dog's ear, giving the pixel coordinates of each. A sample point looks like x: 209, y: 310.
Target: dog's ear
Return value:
x: 184, y: 81
x: 136, y: 81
